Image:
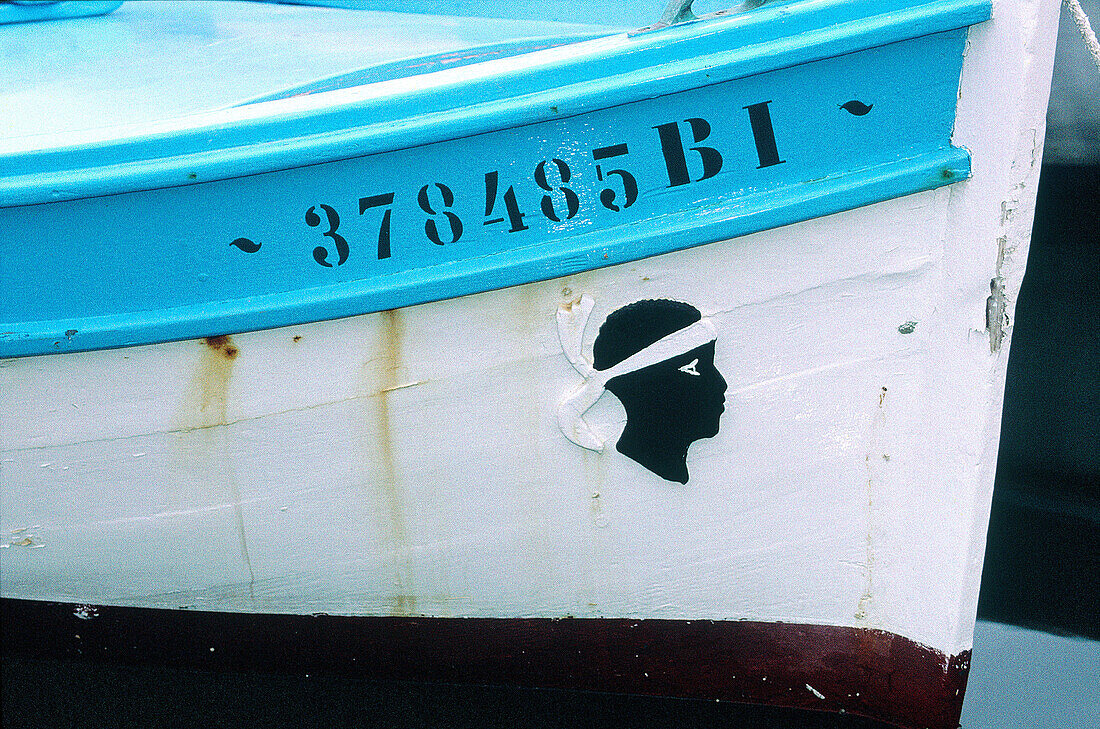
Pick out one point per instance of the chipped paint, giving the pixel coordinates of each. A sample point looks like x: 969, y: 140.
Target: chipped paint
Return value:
x: 868, y: 672
x: 596, y: 478
x: 402, y: 386
x: 86, y: 612
x: 996, y: 316
x: 24, y: 537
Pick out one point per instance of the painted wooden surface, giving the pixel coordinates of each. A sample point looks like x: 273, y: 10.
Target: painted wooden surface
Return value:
x: 479, y: 213
x: 564, y: 188
x: 409, y: 462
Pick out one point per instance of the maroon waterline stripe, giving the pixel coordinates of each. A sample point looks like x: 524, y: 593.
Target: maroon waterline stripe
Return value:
x: 865, y: 672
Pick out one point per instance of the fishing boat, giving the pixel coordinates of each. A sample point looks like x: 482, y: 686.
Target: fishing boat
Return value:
x: 658, y: 353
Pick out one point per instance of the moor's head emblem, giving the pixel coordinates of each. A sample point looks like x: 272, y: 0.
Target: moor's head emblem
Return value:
x: 657, y: 357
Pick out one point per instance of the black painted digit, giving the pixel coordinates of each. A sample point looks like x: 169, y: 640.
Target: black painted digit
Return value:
x: 374, y: 201
x: 320, y: 253
x: 431, y: 229
x: 672, y: 147
x: 763, y: 134
x: 515, y: 217
x: 491, y: 181
x: 572, y: 202
x: 630, y: 185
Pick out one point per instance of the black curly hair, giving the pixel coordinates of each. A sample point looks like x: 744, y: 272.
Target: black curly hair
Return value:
x: 634, y: 327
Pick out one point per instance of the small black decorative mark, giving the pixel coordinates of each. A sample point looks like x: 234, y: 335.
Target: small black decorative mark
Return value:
x: 858, y: 108
x: 246, y: 245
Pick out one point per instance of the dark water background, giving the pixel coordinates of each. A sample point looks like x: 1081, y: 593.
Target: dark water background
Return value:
x: 1042, y: 566
x: 1042, y: 559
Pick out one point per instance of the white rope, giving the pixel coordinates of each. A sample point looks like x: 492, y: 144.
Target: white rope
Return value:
x: 1082, y: 21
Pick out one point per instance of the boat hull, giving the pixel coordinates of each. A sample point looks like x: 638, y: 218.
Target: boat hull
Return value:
x: 465, y: 466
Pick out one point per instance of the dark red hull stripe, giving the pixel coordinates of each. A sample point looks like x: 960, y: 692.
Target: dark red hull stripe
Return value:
x: 824, y: 668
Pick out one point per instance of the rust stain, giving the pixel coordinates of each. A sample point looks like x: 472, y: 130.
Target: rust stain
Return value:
x: 388, y: 362
x: 206, y: 402
x: 404, y: 605
x: 223, y: 343
x: 205, y: 452
x: 297, y: 337
x: 568, y: 305
x: 387, y: 379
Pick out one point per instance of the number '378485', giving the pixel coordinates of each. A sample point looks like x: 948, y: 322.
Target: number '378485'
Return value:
x: 559, y: 200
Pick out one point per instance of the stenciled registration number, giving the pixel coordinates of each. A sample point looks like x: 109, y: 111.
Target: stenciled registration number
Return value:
x: 560, y: 202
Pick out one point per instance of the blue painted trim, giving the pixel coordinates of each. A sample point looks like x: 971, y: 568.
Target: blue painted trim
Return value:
x: 419, y: 66
x: 33, y: 12
x: 279, y: 135
x: 673, y: 231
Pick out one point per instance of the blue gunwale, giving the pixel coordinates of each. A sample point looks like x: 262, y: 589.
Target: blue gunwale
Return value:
x: 596, y: 250
x: 556, y: 83
x: 95, y: 305
x: 29, y: 13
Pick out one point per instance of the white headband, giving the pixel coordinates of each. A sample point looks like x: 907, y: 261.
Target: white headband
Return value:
x: 572, y: 319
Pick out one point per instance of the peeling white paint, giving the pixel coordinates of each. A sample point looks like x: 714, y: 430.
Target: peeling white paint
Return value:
x: 86, y: 612
x: 403, y: 386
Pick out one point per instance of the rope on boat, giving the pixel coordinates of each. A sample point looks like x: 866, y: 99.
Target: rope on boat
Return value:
x: 1083, y: 25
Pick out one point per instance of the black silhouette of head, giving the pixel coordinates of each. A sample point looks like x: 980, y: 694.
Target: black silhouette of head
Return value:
x: 671, y: 404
